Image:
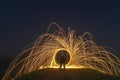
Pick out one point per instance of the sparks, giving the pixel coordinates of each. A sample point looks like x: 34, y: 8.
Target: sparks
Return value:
x: 84, y: 53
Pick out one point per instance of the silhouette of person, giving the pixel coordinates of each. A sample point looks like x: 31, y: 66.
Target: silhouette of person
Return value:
x: 62, y: 58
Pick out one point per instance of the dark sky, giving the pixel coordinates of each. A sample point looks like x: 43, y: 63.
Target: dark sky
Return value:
x: 21, y: 22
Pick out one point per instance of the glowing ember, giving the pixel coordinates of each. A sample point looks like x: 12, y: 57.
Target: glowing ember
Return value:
x: 84, y: 53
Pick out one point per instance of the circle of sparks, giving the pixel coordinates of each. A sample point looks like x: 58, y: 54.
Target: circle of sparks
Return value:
x: 84, y: 53
x: 62, y: 58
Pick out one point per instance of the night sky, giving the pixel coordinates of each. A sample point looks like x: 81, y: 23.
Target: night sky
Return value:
x: 21, y: 22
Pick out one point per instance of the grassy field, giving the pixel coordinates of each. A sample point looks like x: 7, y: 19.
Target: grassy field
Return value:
x: 67, y: 74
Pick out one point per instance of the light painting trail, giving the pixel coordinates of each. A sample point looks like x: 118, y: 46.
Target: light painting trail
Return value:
x: 84, y: 53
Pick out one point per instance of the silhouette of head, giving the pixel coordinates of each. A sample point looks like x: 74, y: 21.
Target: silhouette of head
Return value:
x: 62, y: 57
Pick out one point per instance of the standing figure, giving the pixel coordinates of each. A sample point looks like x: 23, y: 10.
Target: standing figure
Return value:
x: 62, y: 57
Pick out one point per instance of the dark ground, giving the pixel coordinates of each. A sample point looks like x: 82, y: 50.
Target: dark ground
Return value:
x: 67, y: 74
x: 57, y: 74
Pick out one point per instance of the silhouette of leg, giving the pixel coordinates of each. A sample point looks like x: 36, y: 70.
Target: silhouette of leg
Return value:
x: 64, y: 66
x: 60, y: 66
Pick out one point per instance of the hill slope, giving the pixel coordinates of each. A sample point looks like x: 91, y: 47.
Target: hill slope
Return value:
x: 67, y: 74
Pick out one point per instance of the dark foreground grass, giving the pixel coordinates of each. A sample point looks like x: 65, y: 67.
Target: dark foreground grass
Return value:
x: 67, y: 74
